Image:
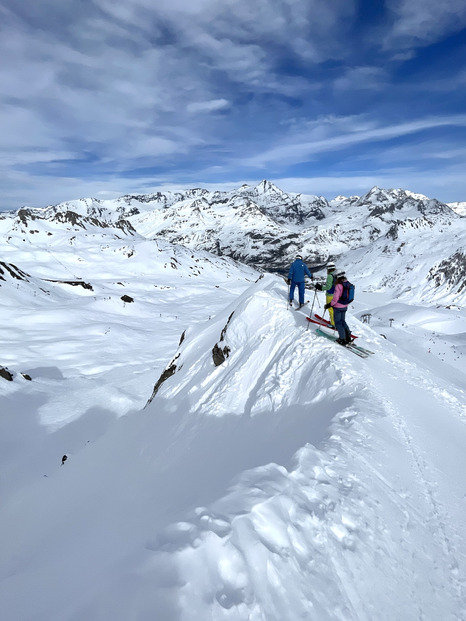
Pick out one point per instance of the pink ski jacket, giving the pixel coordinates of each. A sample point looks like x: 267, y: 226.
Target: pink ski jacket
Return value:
x: 336, y: 296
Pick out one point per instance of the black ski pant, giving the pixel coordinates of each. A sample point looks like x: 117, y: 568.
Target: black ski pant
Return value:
x: 339, y: 314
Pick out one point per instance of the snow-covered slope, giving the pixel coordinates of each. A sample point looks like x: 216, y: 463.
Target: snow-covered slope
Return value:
x: 293, y: 480
x: 413, y: 263
x: 460, y: 208
x: 224, y: 461
x: 92, y: 319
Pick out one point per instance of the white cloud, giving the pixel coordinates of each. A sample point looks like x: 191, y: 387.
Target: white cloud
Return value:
x: 362, y: 78
x: 335, y: 135
x: 130, y: 85
x: 208, y: 106
x: 420, y: 22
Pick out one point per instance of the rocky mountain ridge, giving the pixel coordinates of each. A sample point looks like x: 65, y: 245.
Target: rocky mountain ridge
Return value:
x: 258, y: 225
x: 264, y: 227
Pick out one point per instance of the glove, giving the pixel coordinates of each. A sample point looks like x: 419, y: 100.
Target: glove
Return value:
x: 327, y: 306
x: 288, y: 281
x: 318, y: 286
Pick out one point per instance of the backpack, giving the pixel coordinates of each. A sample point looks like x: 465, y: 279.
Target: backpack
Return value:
x: 331, y: 291
x: 347, y: 295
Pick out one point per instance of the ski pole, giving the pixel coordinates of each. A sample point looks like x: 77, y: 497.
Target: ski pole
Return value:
x: 318, y: 303
x: 310, y: 312
x: 314, y: 299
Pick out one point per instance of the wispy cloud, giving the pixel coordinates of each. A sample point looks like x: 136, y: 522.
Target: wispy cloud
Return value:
x: 444, y: 188
x: 420, y: 22
x: 333, y: 134
x: 362, y: 78
x: 208, y: 106
x: 112, y: 89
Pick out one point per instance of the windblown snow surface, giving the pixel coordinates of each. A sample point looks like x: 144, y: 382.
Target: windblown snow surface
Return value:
x: 295, y: 481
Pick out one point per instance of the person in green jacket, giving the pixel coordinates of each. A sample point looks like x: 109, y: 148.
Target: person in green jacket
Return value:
x: 329, y: 288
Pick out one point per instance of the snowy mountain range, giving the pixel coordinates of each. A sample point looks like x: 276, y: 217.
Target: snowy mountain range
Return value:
x: 224, y: 461
x: 386, y: 238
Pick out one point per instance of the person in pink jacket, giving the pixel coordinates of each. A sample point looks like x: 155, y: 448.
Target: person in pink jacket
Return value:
x: 339, y: 311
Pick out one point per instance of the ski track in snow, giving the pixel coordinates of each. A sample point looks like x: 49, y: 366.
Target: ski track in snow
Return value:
x: 437, y: 517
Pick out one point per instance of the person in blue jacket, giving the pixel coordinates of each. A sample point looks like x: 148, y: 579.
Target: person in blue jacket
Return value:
x: 296, y: 275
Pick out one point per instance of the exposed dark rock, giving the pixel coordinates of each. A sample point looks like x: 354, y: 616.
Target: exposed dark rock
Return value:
x: 450, y: 272
x: 6, y: 374
x: 222, y: 335
x: 182, y: 337
x: 126, y: 226
x: 27, y: 377
x: 392, y: 232
x: 14, y: 271
x: 169, y: 371
x: 127, y: 298
x: 24, y: 215
x: 73, y: 283
x: 68, y: 217
x: 220, y: 355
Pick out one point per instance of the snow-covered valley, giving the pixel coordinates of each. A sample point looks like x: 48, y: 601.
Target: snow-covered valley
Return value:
x: 292, y: 481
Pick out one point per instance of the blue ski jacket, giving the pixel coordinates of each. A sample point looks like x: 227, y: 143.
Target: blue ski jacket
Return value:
x: 297, y: 271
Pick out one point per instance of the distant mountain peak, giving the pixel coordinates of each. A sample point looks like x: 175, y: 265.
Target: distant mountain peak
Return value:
x: 268, y: 186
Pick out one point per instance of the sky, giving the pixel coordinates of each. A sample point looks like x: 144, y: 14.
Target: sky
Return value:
x: 108, y: 97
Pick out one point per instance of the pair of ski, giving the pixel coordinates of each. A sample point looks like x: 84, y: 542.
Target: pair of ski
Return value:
x: 325, y: 329
x: 300, y: 306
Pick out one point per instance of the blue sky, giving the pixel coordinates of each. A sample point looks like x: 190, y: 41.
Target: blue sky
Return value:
x: 108, y: 97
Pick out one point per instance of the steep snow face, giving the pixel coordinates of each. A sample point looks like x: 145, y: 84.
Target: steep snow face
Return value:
x: 413, y: 262
x: 292, y: 480
x: 459, y: 208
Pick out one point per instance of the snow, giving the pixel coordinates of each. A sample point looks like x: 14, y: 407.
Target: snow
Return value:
x: 458, y: 207
x: 293, y: 481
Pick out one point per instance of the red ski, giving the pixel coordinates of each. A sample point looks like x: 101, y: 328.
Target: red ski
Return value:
x: 326, y: 321
x: 323, y: 322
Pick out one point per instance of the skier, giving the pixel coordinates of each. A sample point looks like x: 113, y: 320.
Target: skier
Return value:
x: 339, y: 311
x: 296, y: 275
x: 329, y: 288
